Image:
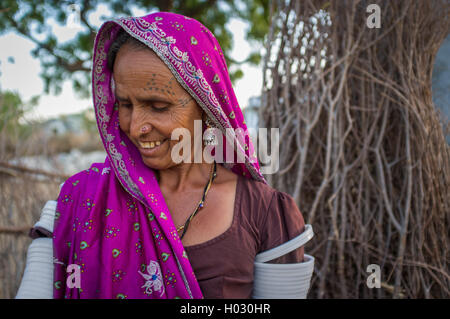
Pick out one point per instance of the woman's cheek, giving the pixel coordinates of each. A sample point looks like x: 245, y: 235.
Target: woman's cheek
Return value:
x: 124, y: 120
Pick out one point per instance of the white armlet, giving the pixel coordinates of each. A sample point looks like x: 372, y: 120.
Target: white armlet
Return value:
x: 37, y: 281
x: 283, y: 281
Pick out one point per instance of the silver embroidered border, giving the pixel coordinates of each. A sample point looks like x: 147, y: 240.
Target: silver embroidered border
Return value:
x: 163, y: 52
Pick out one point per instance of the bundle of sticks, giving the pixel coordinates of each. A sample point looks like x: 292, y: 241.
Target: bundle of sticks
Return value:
x: 362, y: 146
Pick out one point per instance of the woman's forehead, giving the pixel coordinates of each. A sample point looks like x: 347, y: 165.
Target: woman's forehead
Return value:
x: 143, y: 63
x: 142, y: 74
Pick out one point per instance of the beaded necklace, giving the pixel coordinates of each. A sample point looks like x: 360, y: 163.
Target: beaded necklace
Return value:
x: 212, y: 176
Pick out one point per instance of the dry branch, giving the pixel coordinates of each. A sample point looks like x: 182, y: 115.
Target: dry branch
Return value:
x: 362, y: 149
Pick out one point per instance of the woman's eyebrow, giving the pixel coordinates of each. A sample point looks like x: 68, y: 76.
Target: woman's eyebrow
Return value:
x: 146, y: 99
x: 152, y: 98
x: 121, y: 99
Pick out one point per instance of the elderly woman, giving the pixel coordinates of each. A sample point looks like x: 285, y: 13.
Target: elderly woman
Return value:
x: 141, y: 225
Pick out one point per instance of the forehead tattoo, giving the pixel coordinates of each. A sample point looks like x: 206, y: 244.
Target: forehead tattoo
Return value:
x: 166, y: 88
x: 183, y: 102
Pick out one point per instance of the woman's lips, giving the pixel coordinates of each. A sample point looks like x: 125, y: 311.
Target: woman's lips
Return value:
x: 149, y: 144
x: 149, y: 148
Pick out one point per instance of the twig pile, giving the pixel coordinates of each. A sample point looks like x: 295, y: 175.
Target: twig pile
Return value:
x: 362, y: 149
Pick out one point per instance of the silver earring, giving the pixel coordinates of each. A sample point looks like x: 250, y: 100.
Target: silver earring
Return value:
x: 209, y: 138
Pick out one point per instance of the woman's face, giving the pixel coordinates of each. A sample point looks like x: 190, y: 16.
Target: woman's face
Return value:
x: 151, y: 104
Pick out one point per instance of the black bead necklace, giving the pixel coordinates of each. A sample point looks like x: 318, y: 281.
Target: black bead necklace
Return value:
x: 200, y: 204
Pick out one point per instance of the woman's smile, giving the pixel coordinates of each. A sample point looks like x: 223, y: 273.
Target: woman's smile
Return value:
x: 151, y: 104
x: 149, y: 148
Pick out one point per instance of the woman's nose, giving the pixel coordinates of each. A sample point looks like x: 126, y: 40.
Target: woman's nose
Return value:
x: 138, y: 127
x: 145, y: 128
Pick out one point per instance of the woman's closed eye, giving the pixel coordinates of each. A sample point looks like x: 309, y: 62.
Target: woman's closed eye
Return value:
x: 159, y: 107
x: 125, y: 105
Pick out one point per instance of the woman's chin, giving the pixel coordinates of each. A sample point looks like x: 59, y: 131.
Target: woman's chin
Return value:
x: 158, y: 162
x: 153, y: 163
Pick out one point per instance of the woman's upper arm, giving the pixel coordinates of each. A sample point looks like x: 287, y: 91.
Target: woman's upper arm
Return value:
x: 283, y: 222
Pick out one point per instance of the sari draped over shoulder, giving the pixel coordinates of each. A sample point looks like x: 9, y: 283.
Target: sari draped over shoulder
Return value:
x: 111, y: 219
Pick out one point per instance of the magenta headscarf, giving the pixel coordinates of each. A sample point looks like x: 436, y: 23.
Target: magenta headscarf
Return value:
x: 112, y: 220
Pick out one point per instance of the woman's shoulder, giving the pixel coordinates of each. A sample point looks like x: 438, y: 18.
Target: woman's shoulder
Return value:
x: 263, y: 193
x: 274, y: 213
x: 73, y: 193
x: 261, y: 202
x: 96, y: 170
x: 80, y: 185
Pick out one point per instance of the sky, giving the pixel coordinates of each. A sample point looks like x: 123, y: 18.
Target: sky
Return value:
x: 22, y: 75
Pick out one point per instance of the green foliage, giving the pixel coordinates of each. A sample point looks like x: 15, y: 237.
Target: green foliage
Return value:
x: 12, y: 111
x: 71, y: 60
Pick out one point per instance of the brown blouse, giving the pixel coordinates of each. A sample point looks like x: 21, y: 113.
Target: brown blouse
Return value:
x: 263, y: 218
